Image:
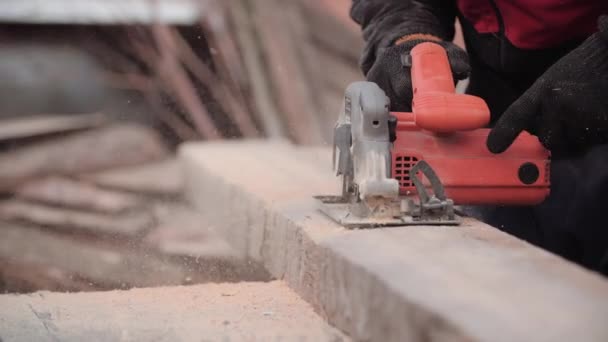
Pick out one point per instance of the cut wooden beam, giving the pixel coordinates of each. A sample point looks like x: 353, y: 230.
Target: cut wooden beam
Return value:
x: 96, y: 150
x: 211, y: 312
x: 128, y: 225
x: 467, y: 283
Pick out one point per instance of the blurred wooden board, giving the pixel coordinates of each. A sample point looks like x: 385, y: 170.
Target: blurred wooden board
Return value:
x: 64, y: 192
x: 41, y: 259
x: 19, y: 276
x: 100, y: 149
x: 157, y: 178
x: 103, y: 266
x: 11, y: 129
x: 184, y: 12
x: 128, y: 225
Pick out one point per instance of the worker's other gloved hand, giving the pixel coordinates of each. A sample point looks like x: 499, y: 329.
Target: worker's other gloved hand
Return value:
x: 567, y: 107
x: 395, y: 79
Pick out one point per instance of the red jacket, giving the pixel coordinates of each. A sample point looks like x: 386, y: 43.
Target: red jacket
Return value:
x: 507, y: 35
x: 534, y: 24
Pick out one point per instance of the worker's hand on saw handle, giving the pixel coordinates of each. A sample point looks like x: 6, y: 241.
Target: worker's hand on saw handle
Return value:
x: 567, y: 107
x: 395, y: 79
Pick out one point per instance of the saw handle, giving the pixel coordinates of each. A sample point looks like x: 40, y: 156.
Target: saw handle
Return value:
x: 436, y: 106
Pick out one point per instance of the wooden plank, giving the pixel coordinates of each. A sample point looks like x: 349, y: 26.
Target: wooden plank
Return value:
x: 342, y: 72
x: 332, y: 34
x: 101, y: 12
x: 171, y: 72
x: 64, y: 192
x: 330, y: 86
x: 338, y: 9
x: 129, y: 225
x: 22, y: 277
x: 290, y: 83
x: 185, y: 236
x: 259, y: 85
x: 105, y: 267
x: 467, y: 283
x: 96, y: 150
x: 210, y: 312
x: 183, y: 232
x: 163, y: 178
x: 330, y: 107
x: 20, y: 128
x: 218, y: 88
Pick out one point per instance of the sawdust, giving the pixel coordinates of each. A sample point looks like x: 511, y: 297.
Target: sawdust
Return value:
x: 211, y: 312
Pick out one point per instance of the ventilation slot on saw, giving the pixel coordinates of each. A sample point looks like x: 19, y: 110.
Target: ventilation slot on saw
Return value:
x: 402, y: 164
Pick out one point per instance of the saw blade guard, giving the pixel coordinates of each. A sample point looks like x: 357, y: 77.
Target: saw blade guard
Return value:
x: 366, y: 111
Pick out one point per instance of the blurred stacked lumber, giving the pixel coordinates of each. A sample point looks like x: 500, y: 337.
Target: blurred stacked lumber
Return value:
x: 152, y: 59
x: 268, y: 68
x: 101, y: 208
x: 296, y: 59
x: 228, y: 69
x: 91, y: 200
x: 162, y: 66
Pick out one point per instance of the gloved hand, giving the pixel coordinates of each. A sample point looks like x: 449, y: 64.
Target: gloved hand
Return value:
x: 395, y: 79
x: 567, y: 107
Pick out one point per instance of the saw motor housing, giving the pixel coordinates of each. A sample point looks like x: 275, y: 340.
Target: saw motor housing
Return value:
x: 446, y: 130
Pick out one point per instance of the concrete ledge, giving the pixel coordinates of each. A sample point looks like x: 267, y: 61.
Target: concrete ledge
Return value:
x: 469, y: 283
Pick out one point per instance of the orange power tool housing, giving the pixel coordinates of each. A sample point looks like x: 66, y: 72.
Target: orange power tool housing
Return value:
x: 446, y: 130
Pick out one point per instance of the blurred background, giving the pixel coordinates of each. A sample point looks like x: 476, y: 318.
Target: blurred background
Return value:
x: 95, y: 96
x: 193, y: 69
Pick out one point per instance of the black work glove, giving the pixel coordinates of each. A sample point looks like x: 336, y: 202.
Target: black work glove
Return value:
x: 395, y: 79
x: 567, y: 107
x: 385, y: 22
